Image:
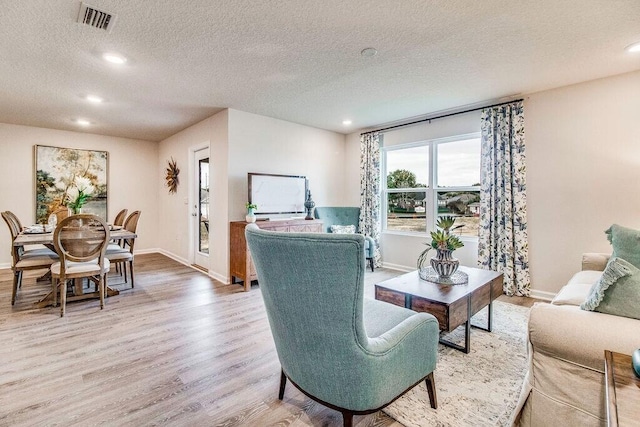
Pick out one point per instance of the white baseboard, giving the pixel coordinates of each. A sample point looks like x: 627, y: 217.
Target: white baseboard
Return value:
x: 397, y: 267
x: 546, y: 296
x: 5, y: 265
x: 183, y: 261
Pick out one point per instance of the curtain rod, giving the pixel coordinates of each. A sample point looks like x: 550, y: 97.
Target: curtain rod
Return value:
x: 440, y: 117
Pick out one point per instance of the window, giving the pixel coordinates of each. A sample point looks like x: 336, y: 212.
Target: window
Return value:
x: 428, y: 179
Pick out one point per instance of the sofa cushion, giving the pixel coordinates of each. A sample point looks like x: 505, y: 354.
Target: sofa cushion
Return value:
x: 577, y: 289
x: 625, y: 242
x: 618, y: 290
x: 343, y: 229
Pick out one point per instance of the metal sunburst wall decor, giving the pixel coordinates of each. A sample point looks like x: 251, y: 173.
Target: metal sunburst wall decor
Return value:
x: 172, y: 176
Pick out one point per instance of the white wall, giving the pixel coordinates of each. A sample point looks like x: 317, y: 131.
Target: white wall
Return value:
x: 175, y: 212
x: 241, y: 143
x: 401, y: 250
x: 133, y: 166
x: 583, y: 172
x: 263, y: 144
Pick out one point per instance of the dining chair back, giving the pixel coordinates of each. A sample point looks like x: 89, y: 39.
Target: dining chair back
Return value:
x: 81, y: 242
x: 21, y: 259
x: 121, y: 255
x: 119, y: 220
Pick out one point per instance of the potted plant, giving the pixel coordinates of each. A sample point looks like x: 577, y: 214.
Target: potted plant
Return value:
x: 251, y: 216
x: 444, y: 243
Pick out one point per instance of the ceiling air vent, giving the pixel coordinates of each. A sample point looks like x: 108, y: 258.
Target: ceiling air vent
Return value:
x: 95, y: 18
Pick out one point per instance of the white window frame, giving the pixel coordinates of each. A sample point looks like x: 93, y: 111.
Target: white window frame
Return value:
x: 431, y: 191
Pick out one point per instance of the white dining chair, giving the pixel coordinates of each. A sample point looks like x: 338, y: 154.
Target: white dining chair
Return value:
x: 81, y: 242
x: 124, y: 254
x: 23, y: 259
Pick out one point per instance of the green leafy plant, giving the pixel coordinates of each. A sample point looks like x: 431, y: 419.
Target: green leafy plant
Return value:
x: 79, y: 193
x: 442, y: 239
x: 251, y: 206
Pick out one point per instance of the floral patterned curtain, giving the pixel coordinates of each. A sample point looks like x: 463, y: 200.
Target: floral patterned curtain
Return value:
x: 370, y: 190
x: 503, y: 244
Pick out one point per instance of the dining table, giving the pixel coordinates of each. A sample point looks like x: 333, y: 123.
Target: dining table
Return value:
x: 43, y: 236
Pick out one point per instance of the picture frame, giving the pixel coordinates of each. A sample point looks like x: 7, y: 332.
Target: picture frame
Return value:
x: 55, y: 172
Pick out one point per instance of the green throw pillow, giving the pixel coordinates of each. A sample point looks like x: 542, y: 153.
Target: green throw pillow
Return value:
x: 617, y: 292
x: 625, y: 242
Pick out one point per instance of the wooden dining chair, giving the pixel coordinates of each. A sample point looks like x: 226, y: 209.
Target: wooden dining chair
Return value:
x: 81, y: 242
x: 124, y: 254
x: 22, y: 259
x: 119, y: 220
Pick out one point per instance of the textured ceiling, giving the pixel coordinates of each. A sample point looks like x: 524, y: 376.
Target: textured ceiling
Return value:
x: 297, y: 60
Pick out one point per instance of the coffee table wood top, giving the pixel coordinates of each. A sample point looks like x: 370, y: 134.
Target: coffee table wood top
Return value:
x: 410, y: 283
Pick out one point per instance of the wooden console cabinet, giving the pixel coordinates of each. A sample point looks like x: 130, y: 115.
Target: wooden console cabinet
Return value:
x: 240, y: 262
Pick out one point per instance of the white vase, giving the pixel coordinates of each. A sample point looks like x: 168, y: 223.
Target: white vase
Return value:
x: 250, y: 217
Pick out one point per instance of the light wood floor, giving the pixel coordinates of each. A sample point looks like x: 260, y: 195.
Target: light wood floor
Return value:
x: 179, y: 349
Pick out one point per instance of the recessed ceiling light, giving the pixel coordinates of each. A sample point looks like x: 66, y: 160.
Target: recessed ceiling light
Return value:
x: 633, y: 48
x: 346, y: 122
x: 83, y: 122
x: 94, y: 99
x: 368, y: 52
x: 114, y: 58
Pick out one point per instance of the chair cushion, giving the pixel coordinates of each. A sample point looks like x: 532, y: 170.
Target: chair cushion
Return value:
x: 36, y: 261
x: 40, y: 252
x: 577, y: 289
x: 617, y: 292
x: 625, y: 242
x: 75, y: 268
x: 119, y: 255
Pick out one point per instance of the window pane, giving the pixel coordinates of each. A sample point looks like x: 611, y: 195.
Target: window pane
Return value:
x: 465, y: 206
x: 408, y: 168
x: 407, y: 211
x: 459, y: 163
x: 204, y: 206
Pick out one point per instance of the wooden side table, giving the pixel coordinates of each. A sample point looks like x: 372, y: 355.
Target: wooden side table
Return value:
x: 623, y: 390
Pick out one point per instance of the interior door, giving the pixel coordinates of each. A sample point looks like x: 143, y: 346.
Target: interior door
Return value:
x: 200, y: 208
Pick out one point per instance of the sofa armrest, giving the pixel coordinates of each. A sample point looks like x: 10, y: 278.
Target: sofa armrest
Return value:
x: 568, y: 333
x: 595, y: 261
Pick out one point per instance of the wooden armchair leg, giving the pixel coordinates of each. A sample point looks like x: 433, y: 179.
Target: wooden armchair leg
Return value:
x: 283, y: 383
x: 347, y: 419
x: 431, y: 389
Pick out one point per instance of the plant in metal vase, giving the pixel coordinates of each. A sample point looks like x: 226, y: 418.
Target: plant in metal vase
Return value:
x: 444, y: 243
x: 251, y: 216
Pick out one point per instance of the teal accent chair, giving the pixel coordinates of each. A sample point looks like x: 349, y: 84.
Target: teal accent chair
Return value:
x: 346, y: 215
x: 350, y: 353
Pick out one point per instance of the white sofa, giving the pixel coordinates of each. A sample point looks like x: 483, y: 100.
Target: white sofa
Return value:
x: 565, y: 383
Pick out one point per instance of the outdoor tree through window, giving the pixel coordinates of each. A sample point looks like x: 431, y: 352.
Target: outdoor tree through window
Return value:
x: 428, y: 179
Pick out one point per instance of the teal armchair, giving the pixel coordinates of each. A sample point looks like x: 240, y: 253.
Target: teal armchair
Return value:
x: 350, y: 353
x: 346, y: 215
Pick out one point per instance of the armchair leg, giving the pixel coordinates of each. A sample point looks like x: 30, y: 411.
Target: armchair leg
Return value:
x: 347, y: 419
x: 371, y: 264
x: 431, y: 389
x: 283, y: 383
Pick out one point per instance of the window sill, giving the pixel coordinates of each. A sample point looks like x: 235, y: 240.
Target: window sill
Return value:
x: 424, y: 235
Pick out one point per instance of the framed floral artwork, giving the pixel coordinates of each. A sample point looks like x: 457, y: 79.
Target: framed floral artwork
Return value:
x: 70, y: 177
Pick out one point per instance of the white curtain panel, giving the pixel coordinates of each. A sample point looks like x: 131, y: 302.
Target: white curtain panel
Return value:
x: 370, y: 190
x: 503, y: 245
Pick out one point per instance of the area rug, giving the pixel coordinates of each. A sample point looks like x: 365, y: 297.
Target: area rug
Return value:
x: 476, y: 389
